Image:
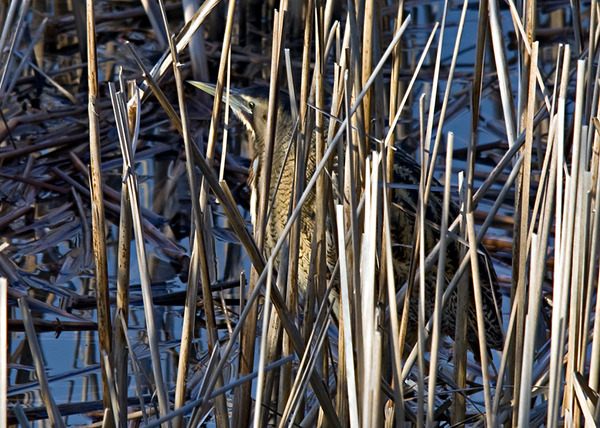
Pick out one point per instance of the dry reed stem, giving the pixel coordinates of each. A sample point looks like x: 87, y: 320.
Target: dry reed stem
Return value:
x: 136, y: 367
x: 346, y: 326
x: 322, y: 190
x: 571, y: 251
x: 398, y: 406
x: 460, y: 283
x: 434, y: 88
x: 595, y: 353
x: 258, y: 402
x: 440, y: 280
x: 350, y: 223
x: 371, y: 338
x: 123, y: 262
x: 367, y: 55
x: 197, y: 45
x: 226, y: 118
x: 290, y: 274
x: 395, y: 82
x: 98, y: 220
x: 490, y: 417
x: 216, y: 110
x: 121, y: 350
x: 274, y: 333
x: 502, y: 72
x: 524, y: 351
x: 419, y: 251
x: 38, y: 360
x: 559, y: 289
x: 114, y: 399
x: 126, y: 149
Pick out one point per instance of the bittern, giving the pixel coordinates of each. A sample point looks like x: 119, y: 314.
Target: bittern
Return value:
x: 251, y: 106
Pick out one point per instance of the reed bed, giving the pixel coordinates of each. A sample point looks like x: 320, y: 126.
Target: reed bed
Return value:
x: 125, y: 223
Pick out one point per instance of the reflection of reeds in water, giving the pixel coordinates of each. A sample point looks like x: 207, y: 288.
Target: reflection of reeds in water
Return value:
x: 529, y: 164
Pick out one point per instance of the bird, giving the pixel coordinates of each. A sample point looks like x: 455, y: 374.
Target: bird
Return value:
x: 250, y: 106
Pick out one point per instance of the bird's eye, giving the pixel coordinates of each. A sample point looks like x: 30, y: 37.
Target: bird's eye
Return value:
x: 251, y: 105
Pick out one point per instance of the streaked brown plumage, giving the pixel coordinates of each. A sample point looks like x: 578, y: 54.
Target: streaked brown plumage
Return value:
x: 250, y: 106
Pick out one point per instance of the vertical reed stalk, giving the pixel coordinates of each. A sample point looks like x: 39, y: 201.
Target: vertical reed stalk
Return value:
x: 319, y: 255
x: 559, y: 287
x: 367, y: 56
x: 570, y: 251
x: 121, y: 350
x: 98, y: 221
x: 263, y: 347
x: 502, y: 71
x: 285, y: 380
x: 348, y: 343
x: 420, y: 247
x: 433, y: 96
x: 523, y: 362
x: 398, y: 408
x: 152, y: 334
x: 483, y: 352
x: 460, y: 335
x: 439, y: 285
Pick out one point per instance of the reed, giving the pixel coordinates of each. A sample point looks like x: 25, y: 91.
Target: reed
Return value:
x: 498, y: 104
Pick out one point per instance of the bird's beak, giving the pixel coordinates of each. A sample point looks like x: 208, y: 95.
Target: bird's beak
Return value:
x: 236, y: 101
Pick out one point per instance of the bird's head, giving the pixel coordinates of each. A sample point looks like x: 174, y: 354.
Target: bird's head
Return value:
x: 250, y: 105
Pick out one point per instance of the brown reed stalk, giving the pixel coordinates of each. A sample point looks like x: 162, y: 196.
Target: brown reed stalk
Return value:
x: 397, y: 407
x: 489, y: 416
x: 522, y: 392
x: 521, y: 250
x: 290, y: 271
x: 98, y: 220
x: 125, y: 235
